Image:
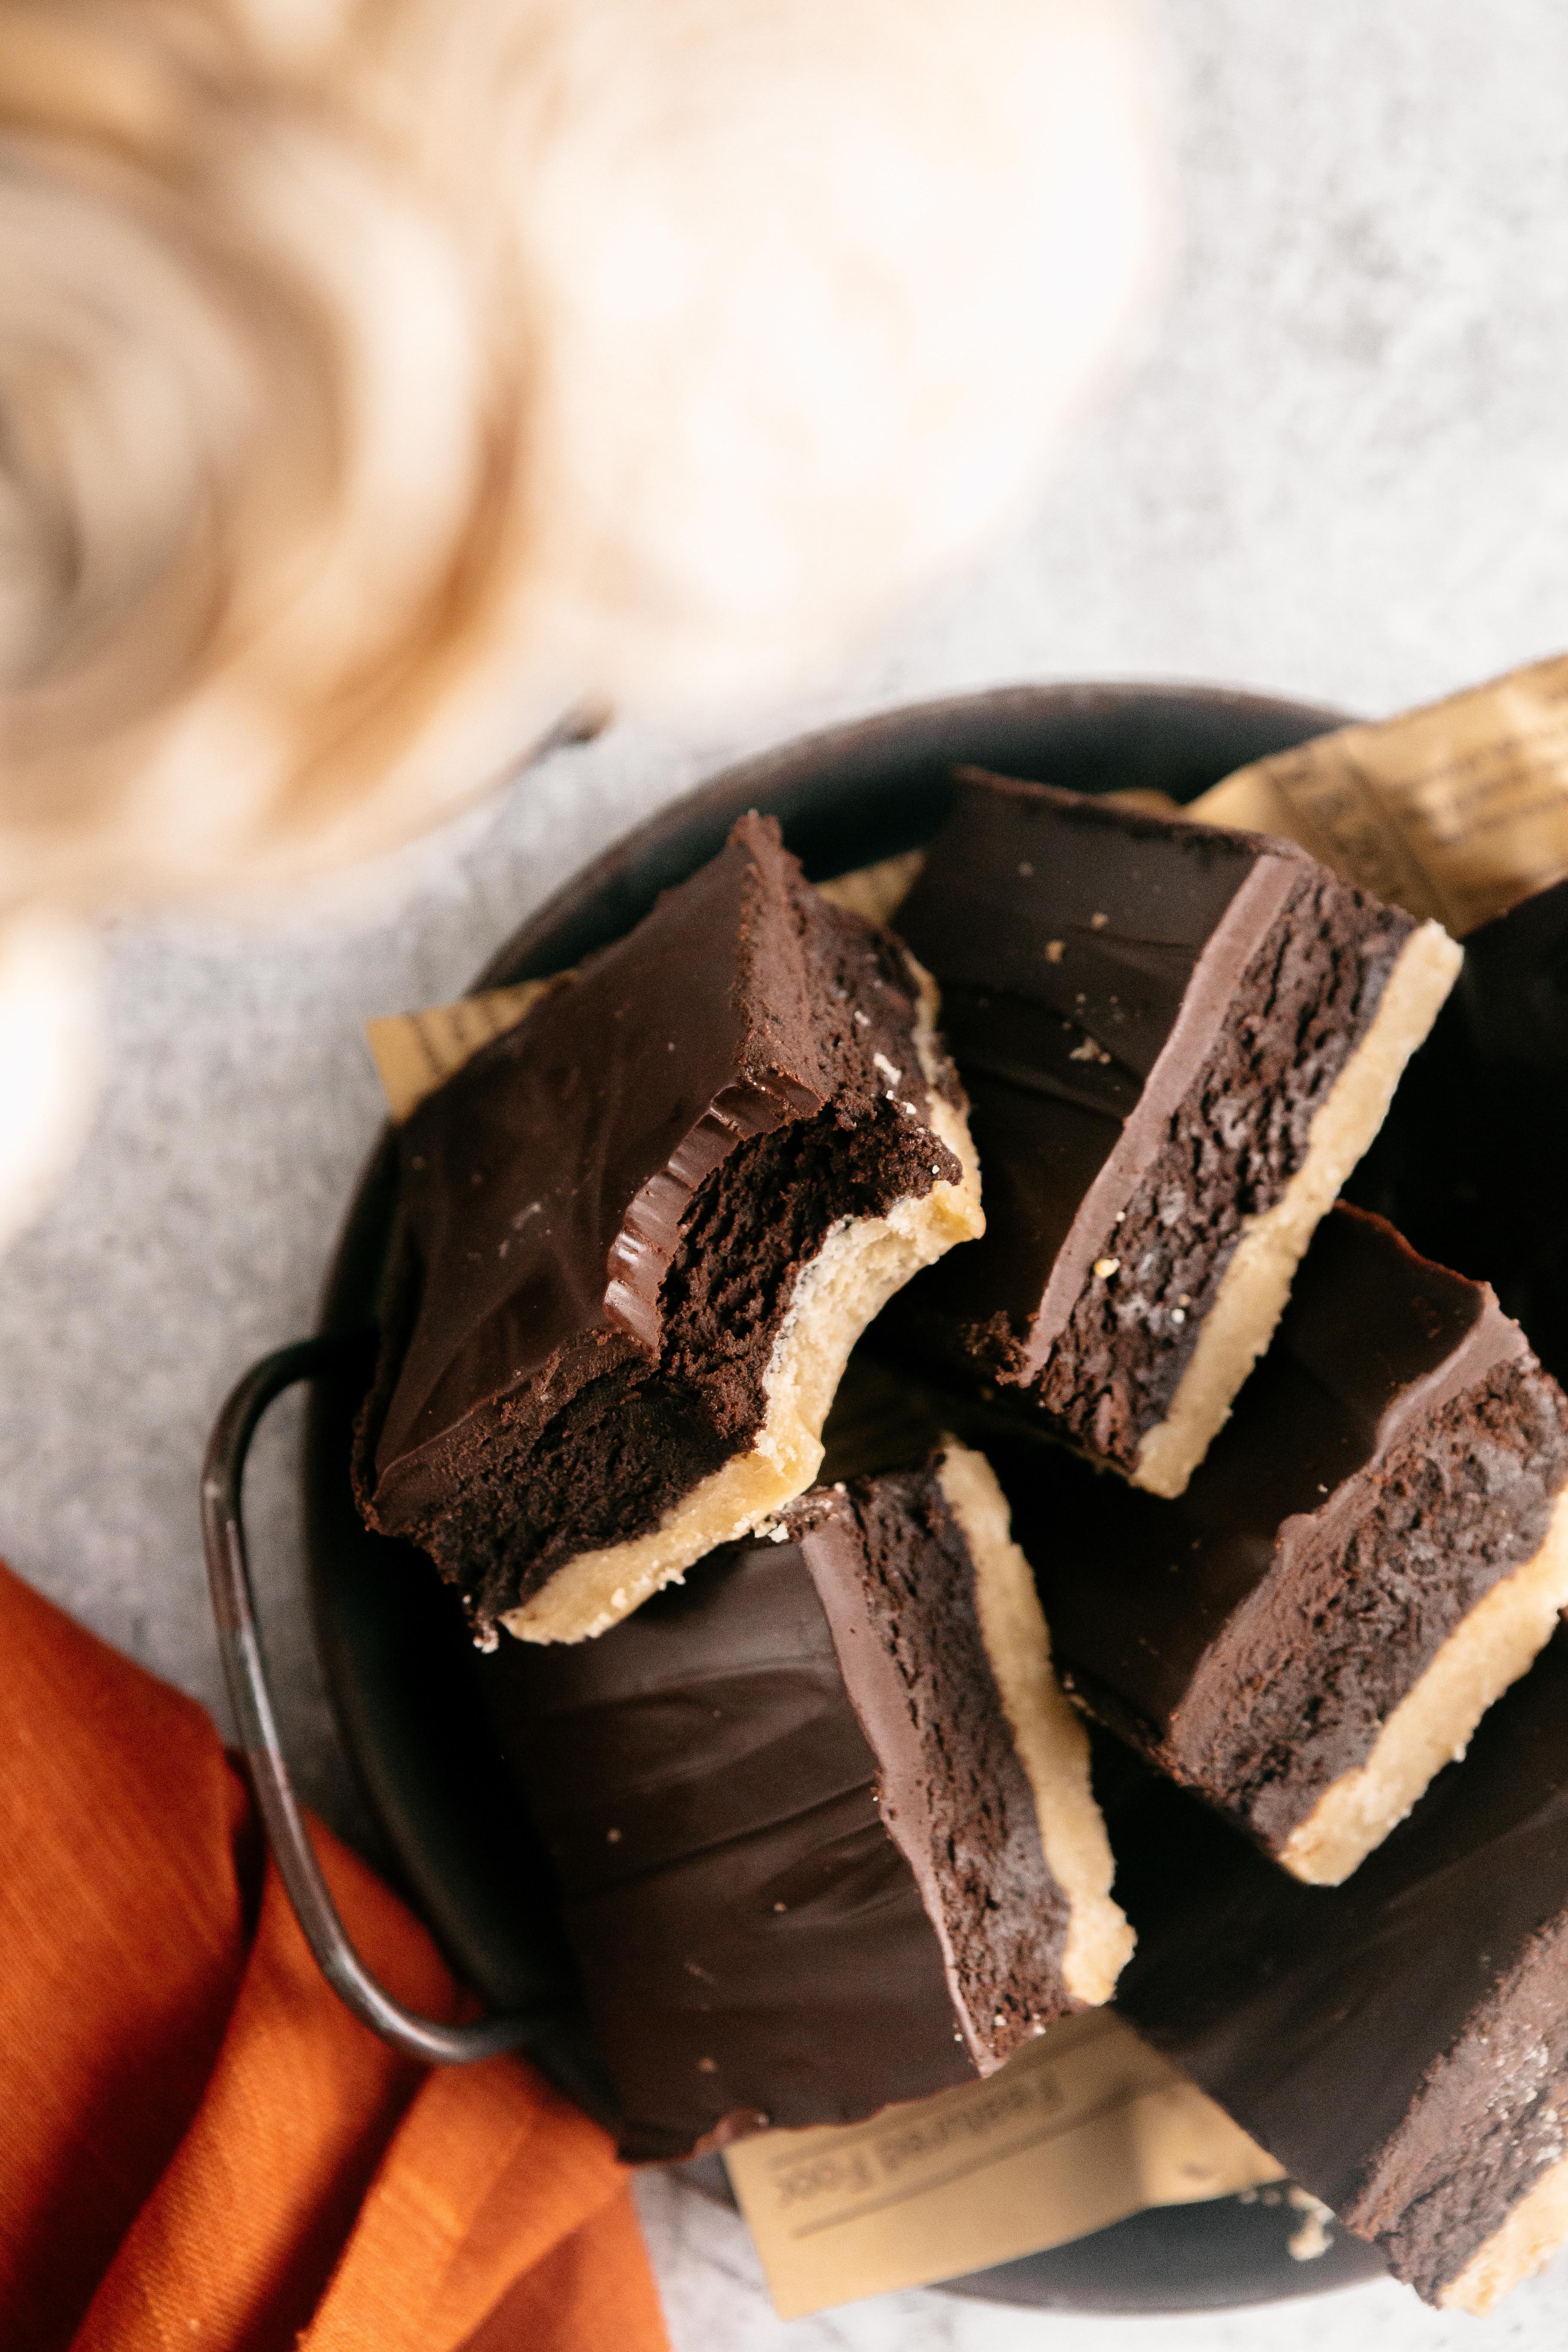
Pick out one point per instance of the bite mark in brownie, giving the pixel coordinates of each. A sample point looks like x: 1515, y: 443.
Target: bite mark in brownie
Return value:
x: 1176, y: 1042
x: 796, y: 1830
x: 1374, y: 1549
x: 641, y: 1231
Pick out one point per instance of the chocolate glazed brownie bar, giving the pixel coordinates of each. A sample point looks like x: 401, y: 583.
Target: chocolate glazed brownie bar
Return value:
x: 1375, y: 1547
x: 1400, y: 2043
x: 1176, y: 1041
x: 640, y: 1233
x: 821, y: 1816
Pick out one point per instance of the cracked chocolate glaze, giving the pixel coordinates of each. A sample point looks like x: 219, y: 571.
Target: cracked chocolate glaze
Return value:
x: 1148, y: 1016
x: 604, y: 1213
x: 1400, y: 2043
x: 1395, y: 1455
x: 742, y: 1831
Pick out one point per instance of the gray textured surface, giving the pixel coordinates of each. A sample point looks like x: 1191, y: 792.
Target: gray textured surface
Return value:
x: 1342, y: 472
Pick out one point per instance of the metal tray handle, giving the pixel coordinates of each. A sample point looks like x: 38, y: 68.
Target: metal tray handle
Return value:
x: 233, y: 1607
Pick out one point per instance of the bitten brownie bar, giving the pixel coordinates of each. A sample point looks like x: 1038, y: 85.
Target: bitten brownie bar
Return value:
x: 822, y: 1817
x: 1375, y: 1547
x: 640, y: 1233
x: 1399, y: 2044
x: 1176, y: 1041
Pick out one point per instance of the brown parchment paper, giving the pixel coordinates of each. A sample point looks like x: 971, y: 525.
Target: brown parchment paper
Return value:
x: 1456, y: 811
x: 414, y: 1053
x: 1080, y: 2128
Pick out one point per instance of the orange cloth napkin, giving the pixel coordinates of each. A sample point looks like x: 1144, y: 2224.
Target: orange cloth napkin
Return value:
x: 199, y: 2145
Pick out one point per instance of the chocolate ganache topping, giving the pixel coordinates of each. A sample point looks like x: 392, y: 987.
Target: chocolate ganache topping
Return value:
x: 753, y: 1943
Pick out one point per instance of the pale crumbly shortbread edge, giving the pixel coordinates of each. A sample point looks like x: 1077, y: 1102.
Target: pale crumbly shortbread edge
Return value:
x: 862, y: 1261
x: 1254, y: 1286
x: 1524, y: 2244
x: 1431, y: 1727
x: 1051, y: 1743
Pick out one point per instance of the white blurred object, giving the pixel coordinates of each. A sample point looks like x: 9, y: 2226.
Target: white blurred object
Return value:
x: 378, y: 382
x: 858, y: 264
x: 50, y: 1058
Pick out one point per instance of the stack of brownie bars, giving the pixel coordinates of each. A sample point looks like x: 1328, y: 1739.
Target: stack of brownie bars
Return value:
x: 944, y: 1444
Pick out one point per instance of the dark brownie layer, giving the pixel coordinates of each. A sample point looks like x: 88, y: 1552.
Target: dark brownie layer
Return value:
x: 1148, y: 1016
x: 1226, y: 1152
x: 1400, y: 2043
x: 895, y: 1572
x: 1397, y: 1453
x: 606, y: 1212
x: 1483, y: 2096
x: 1461, y: 1504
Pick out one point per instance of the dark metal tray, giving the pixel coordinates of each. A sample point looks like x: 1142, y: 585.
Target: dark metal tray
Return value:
x: 399, y: 1661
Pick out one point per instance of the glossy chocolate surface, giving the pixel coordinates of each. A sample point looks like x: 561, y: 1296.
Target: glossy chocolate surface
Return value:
x: 1396, y: 1453
x: 753, y: 1941
x: 1397, y: 2043
x: 896, y: 1577
x: 799, y: 1856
